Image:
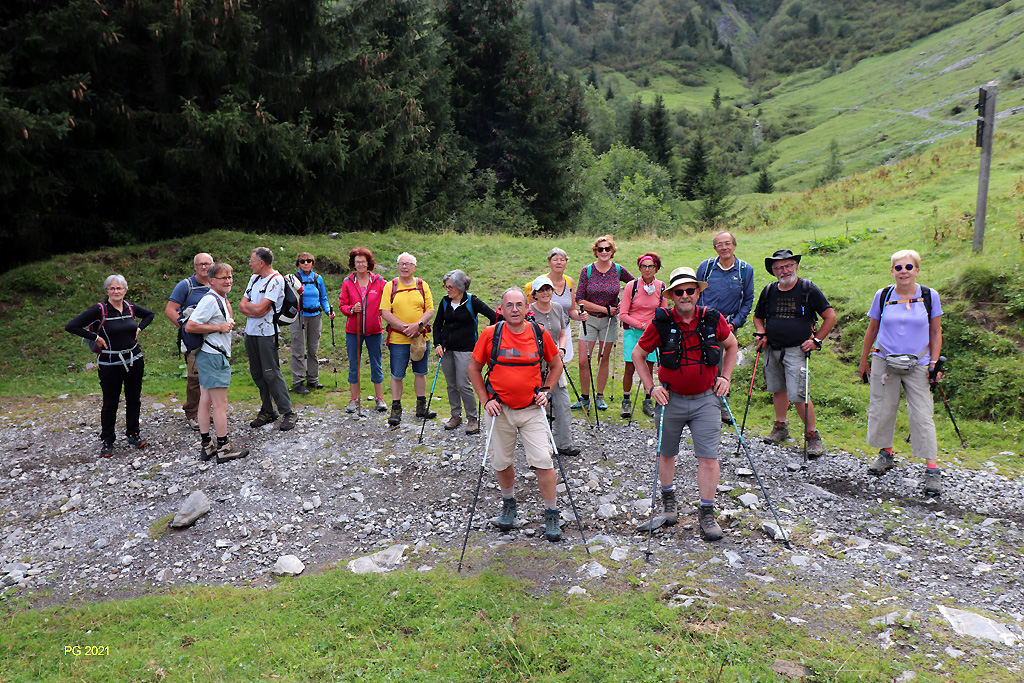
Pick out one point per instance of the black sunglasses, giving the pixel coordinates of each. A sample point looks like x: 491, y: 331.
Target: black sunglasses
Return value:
x: 305, y: 260
x: 688, y: 291
x: 909, y: 267
x: 604, y: 248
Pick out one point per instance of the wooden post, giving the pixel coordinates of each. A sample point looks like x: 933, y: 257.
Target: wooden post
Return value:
x: 986, y: 127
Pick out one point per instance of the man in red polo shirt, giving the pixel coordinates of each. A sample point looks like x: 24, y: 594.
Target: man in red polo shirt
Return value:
x: 690, y: 340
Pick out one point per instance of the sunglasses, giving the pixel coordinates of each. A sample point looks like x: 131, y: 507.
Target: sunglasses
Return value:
x: 305, y: 260
x: 688, y: 291
x: 909, y: 267
x: 601, y: 249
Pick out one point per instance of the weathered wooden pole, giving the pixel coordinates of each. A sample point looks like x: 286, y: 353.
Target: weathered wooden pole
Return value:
x: 986, y: 127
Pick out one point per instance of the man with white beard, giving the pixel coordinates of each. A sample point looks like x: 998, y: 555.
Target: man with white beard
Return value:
x: 784, y: 322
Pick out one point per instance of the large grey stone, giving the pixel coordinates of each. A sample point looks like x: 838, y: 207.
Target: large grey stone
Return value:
x: 383, y: 561
x: 970, y: 624
x: 289, y: 564
x: 194, y: 507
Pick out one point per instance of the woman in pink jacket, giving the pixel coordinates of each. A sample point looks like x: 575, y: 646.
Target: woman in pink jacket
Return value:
x: 639, y: 299
x: 360, y: 301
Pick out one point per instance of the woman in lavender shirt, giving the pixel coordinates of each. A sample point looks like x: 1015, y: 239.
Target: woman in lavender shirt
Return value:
x: 905, y: 326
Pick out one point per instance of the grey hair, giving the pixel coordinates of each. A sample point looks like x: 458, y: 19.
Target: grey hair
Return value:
x: 264, y: 254
x: 555, y: 251
x: 119, y: 279
x: 458, y: 279
x: 514, y: 288
x: 407, y: 255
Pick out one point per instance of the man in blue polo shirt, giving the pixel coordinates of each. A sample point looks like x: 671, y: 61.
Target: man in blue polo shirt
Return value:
x: 185, y: 295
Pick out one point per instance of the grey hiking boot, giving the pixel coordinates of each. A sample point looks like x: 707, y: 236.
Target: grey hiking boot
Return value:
x: 709, y: 525
x: 932, y: 481
x: 263, y: 419
x: 779, y: 433
x: 648, y: 406
x: 288, y: 421
x: 208, y: 450
x: 395, y: 418
x: 227, y: 453
x: 508, y: 514
x: 626, y: 408
x: 668, y: 503
x: 552, y: 525
x: 300, y: 389
x: 421, y: 408
x: 815, y: 447
x: 883, y: 464
x: 600, y: 402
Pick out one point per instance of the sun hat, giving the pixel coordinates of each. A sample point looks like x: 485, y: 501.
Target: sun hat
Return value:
x: 540, y: 281
x: 780, y: 255
x: 685, y: 276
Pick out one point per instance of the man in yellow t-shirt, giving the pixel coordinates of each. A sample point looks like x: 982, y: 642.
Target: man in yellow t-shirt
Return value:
x: 407, y: 306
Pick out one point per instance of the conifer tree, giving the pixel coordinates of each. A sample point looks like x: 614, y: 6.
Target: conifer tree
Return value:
x: 764, y: 184
x: 695, y: 171
x: 658, y: 132
x: 637, y: 127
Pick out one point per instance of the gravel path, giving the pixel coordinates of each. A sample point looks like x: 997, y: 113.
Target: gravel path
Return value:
x: 338, y: 487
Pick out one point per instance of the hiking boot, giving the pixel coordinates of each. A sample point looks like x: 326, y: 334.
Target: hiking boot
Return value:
x: 472, y: 426
x: 136, y: 440
x: 421, y: 408
x: 300, y: 389
x: 552, y: 525
x: 352, y: 406
x: 668, y: 503
x: 581, y: 404
x: 600, y: 403
x: 395, y: 418
x: 648, y: 406
x: 288, y: 421
x: 815, y: 448
x: 452, y: 423
x: 207, y: 450
x: 314, y: 384
x: 570, y: 451
x: 708, y: 524
x: 883, y: 464
x: 779, y: 433
x: 380, y: 404
x: 627, y: 410
x: 263, y: 419
x: 107, y: 449
x: 508, y: 514
x: 227, y: 452
x: 726, y: 417
x: 193, y: 423
x: 932, y: 481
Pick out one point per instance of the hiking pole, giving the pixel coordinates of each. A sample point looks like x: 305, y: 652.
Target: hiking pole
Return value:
x: 359, y: 364
x: 568, y: 490
x: 654, y: 484
x: 476, y: 496
x: 935, y: 385
x: 639, y: 391
x: 426, y: 411
x: 333, y: 345
x: 750, y: 391
x: 807, y: 399
x: 586, y: 414
x: 750, y: 459
x: 602, y: 357
x: 590, y: 371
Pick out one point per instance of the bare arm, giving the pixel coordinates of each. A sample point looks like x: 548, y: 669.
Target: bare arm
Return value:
x: 172, y: 310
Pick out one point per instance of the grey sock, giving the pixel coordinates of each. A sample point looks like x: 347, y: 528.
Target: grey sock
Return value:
x: 551, y: 503
x: 508, y: 493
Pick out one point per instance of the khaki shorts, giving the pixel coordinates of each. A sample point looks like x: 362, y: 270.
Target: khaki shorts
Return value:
x: 530, y: 425
x: 597, y: 328
x: 788, y: 375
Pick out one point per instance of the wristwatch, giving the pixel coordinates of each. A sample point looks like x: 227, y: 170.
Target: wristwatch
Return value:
x: 817, y: 342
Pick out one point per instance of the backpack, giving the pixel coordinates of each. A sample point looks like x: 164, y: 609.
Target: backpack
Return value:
x: 419, y: 286
x: 315, y: 281
x: 632, y: 295
x: 190, y: 341
x: 805, y: 286
x: 538, y: 330
x: 883, y: 301
x: 292, y: 303
x: 469, y: 304
x: 97, y: 326
x: 671, y: 350
x: 618, y: 270
x: 706, y: 276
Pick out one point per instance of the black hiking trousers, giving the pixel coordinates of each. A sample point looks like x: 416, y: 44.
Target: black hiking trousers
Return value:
x: 112, y: 378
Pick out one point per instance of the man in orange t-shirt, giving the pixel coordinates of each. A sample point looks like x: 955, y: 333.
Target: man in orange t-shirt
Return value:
x: 514, y: 397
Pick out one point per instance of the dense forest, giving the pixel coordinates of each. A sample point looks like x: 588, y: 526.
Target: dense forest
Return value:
x: 132, y: 120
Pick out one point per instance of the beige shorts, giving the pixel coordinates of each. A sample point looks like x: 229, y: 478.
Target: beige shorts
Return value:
x: 529, y: 424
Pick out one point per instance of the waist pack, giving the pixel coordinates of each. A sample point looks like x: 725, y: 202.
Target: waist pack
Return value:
x: 900, y: 363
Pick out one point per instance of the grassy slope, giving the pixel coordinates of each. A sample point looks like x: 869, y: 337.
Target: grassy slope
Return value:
x: 892, y: 106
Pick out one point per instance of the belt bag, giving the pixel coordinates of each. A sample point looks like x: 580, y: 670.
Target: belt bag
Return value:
x: 900, y: 363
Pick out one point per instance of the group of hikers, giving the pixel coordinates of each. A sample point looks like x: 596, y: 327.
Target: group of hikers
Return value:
x: 684, y: 330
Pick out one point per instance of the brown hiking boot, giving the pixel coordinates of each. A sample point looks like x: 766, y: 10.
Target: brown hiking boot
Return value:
x: 452, y: 423
x: 395, y: 418
x: 779, y: 433
x: 421, y: 409
x: 472, y: 426
x: 709, y: 525
x: 815, y: 448
x: 208, y: 450
x: 668, y: 503
x: 288, y: 421
x: 263, y: 419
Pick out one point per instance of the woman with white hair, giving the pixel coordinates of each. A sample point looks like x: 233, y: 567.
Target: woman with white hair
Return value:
x: 111, y: 330
x: 455, y: 333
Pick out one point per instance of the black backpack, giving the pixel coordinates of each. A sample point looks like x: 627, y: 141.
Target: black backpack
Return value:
x: 191, y: 341
x: 671, y: 349
x: 538, y: 330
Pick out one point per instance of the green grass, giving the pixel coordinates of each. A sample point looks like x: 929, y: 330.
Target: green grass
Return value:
x: 442, y: 626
